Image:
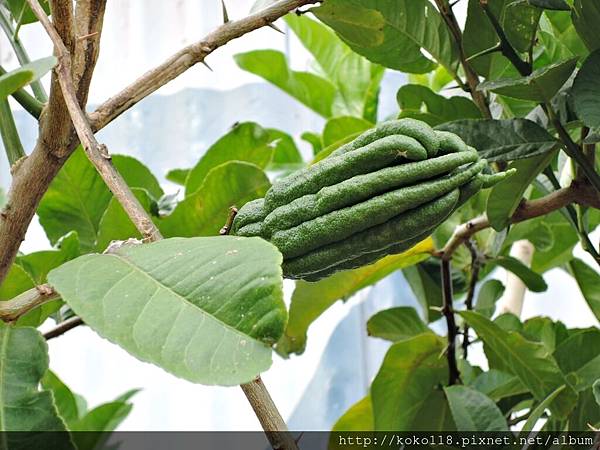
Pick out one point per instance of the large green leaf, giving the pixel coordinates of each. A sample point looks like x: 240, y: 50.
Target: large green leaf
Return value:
x: 540, y: 86
x: 23, y: 407
x: 286, y: 155
x: 353, y: 75
x: 580, y: 354
x: 392, y: 33
x: 204, y: 212
x: 116, y: 224
x: 16, y: 79
x: 563, y: 30
x: 22, y: 13
x: 534, y: 281
x: 586, y: 16
x: 396, y: 324
x: 540, y: 409
x: 520, y: 22
x: 474, y: 411
x: 586, y: 91
x: 426, y: 289
x: 503, y: 140
x: 247, y: 142
x: 78, y: 197
x: 310, y: 300
x: 339, y: 128
x: 529, y: 361
x: 411, y: 370
x: 314, y: 91
x: 498, y: 385
x: 203, y: 309
x: 506, y: 196
x: 420, y: 102
x: 71, y: 407
x: 559, y: 5
x: 588, y: 280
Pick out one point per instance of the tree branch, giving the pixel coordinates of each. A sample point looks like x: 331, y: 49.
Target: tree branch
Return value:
x: 448, y: 312
x: 186, y: 58
x: 476, y: 260
x: 472, y: 79
x: 20, y: 305
x: 63, y: 327
x: 576, y: 193
x: 57, y: 140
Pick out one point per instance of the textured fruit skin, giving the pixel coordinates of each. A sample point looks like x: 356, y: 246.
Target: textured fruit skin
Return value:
x: 378, y: 195
x: 376, y: 155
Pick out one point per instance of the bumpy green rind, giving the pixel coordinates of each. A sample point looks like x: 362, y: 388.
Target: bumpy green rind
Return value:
x: 251, y: 212
x: 250, y: 230
x: 382, y: 153
x: 416, y: 129
x: 451, y: 143
x: 377, y: 240
x: 360, y: 188
x: 340, y: 224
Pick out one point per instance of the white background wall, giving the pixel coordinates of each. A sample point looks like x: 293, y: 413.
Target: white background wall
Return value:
x: 168, y: 132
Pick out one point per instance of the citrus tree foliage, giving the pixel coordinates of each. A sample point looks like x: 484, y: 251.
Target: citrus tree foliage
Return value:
x: 210, y: 309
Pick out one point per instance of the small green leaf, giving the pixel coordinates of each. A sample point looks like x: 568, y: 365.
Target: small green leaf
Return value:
x: 426, y: 289
x: 588, y: 280
x: 503, y: 140
x: 313, y: 91
x: 116, y: 224
x: 203, y: 213
x: 505, y: 197
x: 536, y: 413
x: 203, y: 309
x: 540, y: 86
x: 247, y: 142
x: 529, y: 361
x: 23, y: 407
x: 586, y: 16
x: 22, y: 13
x: 420, y: 102
x: 488, y: 295
x: 396, y: 324
x: 310, y: 300
x: 377, y: 31
x: 586, y: 91
x: 411, y: 370
x: 474, y: 411
x: 67, y: 403
x: 533, y: 281
x: 339, y: 128
x: 38, y: 264
x: 13, y: 81
x: 314, y: 139
x: 17, y: 281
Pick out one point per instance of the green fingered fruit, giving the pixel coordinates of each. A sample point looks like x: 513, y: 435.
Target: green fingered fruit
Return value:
x: 378, y: 195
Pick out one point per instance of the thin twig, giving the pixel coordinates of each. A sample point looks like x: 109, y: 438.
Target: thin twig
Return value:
x: 97, y: 153
x: 448, y: 312
x: 575, y: 193
x: 472, y: 79
x: 11, y: 310
x: 476, y: 260
x: 63, y: 327
x: 227, y: 227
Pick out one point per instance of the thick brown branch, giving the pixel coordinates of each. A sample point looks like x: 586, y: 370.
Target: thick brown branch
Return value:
x: 186, y: 58
x: 55, y: 143
x: 20, y: 305
x: 576, y: 193
x: 448, y: 312
x: 97, y: 153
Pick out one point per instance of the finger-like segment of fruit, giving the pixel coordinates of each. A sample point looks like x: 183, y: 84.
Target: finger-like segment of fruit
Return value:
x: 451, y: 143
x: 364, y: 260
x: 413, y: 128
x: 340, y: 224
x: 251, y: 212
x: 489, y: 180
x: 360, y: 188
x: 377, y: 155
x: 380, y: 240
x: 250, y: 230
